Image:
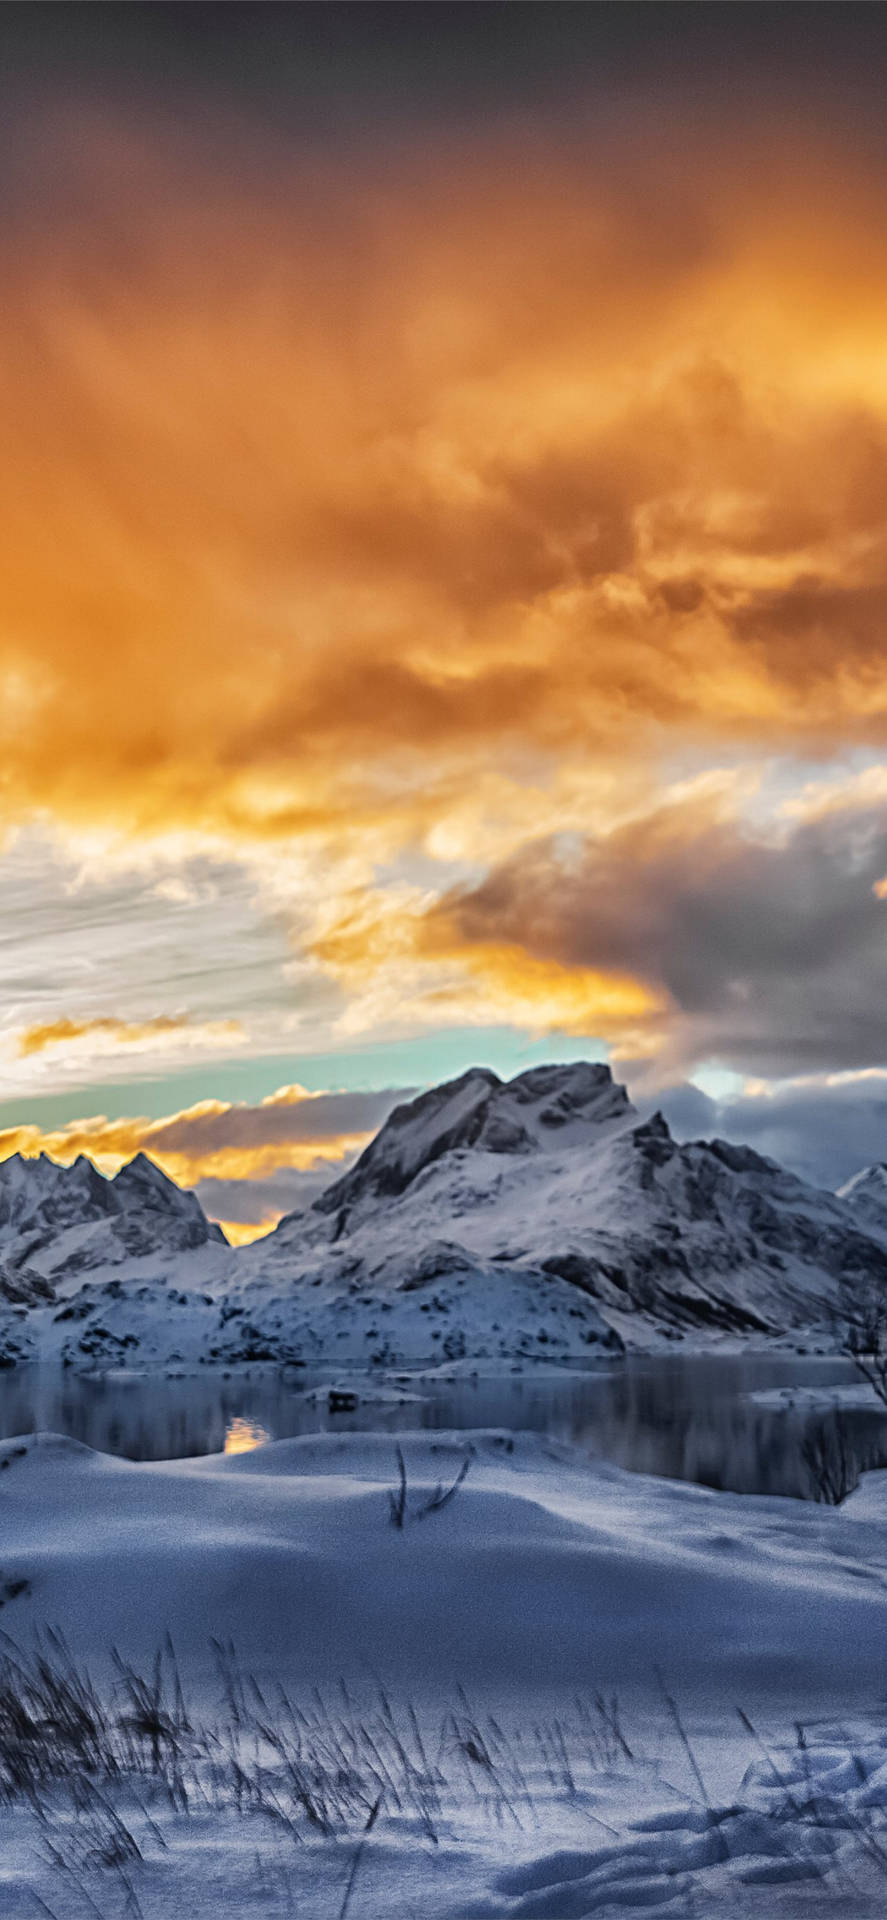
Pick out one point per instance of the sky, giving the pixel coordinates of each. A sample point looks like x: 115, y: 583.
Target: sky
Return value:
x: 443, y: 465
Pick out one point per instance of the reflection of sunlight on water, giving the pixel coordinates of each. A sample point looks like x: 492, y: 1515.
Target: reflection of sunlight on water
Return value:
x: 243, y: 1436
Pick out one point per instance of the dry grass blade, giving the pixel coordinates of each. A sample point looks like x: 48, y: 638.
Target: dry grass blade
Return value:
x: 397, y: 1501
x: 442, y: 1496
x: 358, y: 1856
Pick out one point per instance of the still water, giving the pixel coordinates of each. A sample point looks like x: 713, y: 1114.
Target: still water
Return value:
x: 690, y: 1417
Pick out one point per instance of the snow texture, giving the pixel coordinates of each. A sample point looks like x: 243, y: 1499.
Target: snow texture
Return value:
x: 487, y: 1221
x: 545, y: 1668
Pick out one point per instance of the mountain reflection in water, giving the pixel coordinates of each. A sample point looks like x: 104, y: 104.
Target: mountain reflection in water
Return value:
x: 690, y: 1417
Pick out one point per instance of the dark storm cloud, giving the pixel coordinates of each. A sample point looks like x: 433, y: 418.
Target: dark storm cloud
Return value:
x: 290, y: 1119
x: 773, y: 953
x: 358, y: 71
x: 691, y: 1114
x: 253, y: 1203
x: 824, y: 1128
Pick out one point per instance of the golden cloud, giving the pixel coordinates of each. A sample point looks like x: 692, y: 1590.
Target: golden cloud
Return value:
x: 49, y: 1035
x: 411, y: 953
x: 307, y: 511
x: 218, y: 1140
x: 427, y: 514
x: 241, y: 1233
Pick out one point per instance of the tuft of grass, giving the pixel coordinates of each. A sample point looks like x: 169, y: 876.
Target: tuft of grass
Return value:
x: 102, y: 1769
x: 399, y: 1511
x: 319, y: 1768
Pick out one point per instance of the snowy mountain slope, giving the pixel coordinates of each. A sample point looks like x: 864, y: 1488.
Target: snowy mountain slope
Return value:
x: 434, y: 1305
x: 128, y: 1271
x: 554, y: 1173
x: 866, y: 1194
x: 487, y: 1220
x: 67, y: 1235
x: 546, y: 1107
x: 64, y: 1220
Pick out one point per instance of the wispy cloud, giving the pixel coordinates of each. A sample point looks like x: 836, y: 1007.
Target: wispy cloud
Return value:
x: 63, y: 1033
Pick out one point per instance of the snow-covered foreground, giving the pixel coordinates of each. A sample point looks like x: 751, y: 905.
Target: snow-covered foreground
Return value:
x: 519, y: 1701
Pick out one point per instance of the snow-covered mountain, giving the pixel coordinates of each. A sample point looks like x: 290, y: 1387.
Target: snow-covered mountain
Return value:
x: 68, y: 1235
x: 547, y: 1109
x: 866, y: 1194
x: 61, y: 1220
x: 487, y: 1220
x: 553, y: 1173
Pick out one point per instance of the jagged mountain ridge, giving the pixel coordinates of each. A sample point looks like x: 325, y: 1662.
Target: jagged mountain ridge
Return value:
x: 70, y: 1218
x: 866, y: 1193
x: 91, y: 1268
x: 488, y: 1219
x: 544, y: 1106
x: 555, y: 1171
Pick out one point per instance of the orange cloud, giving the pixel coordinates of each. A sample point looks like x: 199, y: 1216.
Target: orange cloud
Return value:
x: 419, y: 515
x: 50, y: 1034
x: 241, y: 1233
x: 412, y: 954
x: 307, y: 510
x: 218, y: 1140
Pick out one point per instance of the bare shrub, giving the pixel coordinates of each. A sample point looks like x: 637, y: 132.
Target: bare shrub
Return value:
x: 861, y: 1328
x: 832, y: 1460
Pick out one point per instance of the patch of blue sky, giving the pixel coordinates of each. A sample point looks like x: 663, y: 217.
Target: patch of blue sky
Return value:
x: 416, y: 1062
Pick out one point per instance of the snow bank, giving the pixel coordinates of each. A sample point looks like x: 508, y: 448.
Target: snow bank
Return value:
x: 544, y: 1572
x: 543, y: 1583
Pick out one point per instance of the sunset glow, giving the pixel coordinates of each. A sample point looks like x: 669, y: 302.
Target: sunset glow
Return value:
x: 244, y: 1436
x: 438, y: 535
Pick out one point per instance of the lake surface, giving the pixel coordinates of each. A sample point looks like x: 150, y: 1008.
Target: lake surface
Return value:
x: 689, y: 1417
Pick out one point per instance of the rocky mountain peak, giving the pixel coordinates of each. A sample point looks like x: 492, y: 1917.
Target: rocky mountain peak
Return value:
x: 545, y: 1108
x: 40, y: 1198
x: 41, y: 1190
x: 141, y: 1180
x: 866, y: 1193
x: 873, y: 1177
